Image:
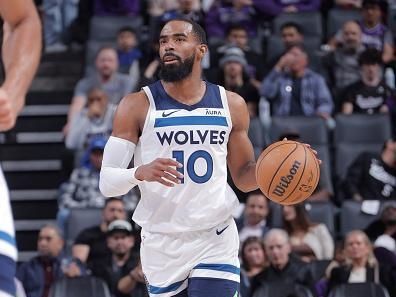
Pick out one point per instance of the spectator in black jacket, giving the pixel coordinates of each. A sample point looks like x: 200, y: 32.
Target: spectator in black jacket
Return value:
x: 122, y: 262
x: 383, y: 231
x: 373, y: 176
x: 284, y: 267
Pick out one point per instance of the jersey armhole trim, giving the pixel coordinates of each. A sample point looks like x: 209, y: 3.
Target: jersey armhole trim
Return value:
x: 150, y: 98
x: 224, y: 100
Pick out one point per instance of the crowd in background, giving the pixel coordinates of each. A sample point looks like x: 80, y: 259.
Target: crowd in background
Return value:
x: 289, y: 72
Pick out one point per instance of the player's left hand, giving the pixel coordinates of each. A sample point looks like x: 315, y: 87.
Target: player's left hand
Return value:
x: 312, y: 150
x: 8, y: 110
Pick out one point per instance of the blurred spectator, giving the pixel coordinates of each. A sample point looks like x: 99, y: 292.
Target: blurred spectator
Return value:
x: 158, y: 7
x: 253, y: 262
x: 354, y: 4
x: 322, y: 191
x: 79, y: 28
x: 129, y: 54
x: 342, y: 64
x: 233, y: 76
x: 82, y: 189
x: 292, y: 34
x: 95, y: 120
x: 373, y: 176
x: 254, y: 221
x: 275, y: 7
x: 308, y: 240
x: 238, y: 36
x: 106, y: 76
x: 383, y: 230
x: 374, y: 33
x: 293, y: 89
x: 38, y: 274
x: 361, y: 265
x: 116, y: 7
x: 284, y: 267
x: 57, y: 16
x: 370, y: 94
x: 224, y: 13
x: 321, y: 285
x: 90, y: 245
x: 189, y: 9
x: 152, y: 60
x: 122, y: 262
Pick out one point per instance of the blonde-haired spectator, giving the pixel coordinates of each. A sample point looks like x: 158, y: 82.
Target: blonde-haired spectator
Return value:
x: 361, y: 265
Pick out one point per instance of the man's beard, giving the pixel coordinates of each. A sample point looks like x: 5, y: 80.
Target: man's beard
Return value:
x: 350, y: 48
x: 178, y: 71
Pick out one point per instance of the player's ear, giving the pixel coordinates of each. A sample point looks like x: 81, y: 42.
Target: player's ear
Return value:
x: 202, y: 50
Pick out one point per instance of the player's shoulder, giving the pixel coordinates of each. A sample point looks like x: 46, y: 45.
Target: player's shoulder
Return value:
x: 134, y: 100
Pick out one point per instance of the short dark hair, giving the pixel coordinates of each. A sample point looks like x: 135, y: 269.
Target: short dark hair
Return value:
x: 294, y: 25
x: 112, y: 199
x: 250, y: 240
x: 197, y: 30
x: 126, y: 29
x: 300, y: 47
x: 370, y: 56
x: 256, y: 192
x: 235, y: 27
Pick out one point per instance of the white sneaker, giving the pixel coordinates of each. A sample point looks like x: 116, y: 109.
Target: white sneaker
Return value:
x: 55, y: 48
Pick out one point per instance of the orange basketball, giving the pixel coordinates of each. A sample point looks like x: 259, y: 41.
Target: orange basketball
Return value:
x: 287, y: 172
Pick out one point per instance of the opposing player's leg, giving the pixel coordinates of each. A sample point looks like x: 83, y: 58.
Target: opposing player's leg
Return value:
x: 8, y: 252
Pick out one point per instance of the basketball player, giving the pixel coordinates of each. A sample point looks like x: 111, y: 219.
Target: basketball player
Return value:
x: 21, y: 51
x: 182, y: 132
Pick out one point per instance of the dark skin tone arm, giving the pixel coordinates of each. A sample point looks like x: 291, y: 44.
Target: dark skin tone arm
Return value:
x: 241, y: 160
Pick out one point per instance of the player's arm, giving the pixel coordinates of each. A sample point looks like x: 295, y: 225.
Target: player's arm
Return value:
x: 241, y: 160
x: 21, y: 53
x: 116, y: 178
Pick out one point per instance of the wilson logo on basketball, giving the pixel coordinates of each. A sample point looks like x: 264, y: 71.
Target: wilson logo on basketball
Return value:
x: 286, y: 180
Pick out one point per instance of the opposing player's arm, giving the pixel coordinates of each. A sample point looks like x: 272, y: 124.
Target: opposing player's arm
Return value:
x: 241, y: 160
x: 21, y: 52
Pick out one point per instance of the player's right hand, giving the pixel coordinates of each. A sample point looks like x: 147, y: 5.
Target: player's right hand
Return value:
x: 160, y: 170
x: 8, y: 111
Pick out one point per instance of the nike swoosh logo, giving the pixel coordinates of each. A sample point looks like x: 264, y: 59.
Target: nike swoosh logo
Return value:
x: 164, y: 115
x: 222, y: 230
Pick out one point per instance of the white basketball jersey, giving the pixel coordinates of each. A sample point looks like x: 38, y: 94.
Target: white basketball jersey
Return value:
x: 197, y: 137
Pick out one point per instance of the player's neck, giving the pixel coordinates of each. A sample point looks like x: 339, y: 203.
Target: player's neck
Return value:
x: 188, y: 91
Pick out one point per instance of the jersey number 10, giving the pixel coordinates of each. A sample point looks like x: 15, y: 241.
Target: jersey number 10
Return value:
x: 199, y: 179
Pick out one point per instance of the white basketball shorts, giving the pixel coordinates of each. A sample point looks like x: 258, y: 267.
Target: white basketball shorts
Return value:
x: 169, y: 261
